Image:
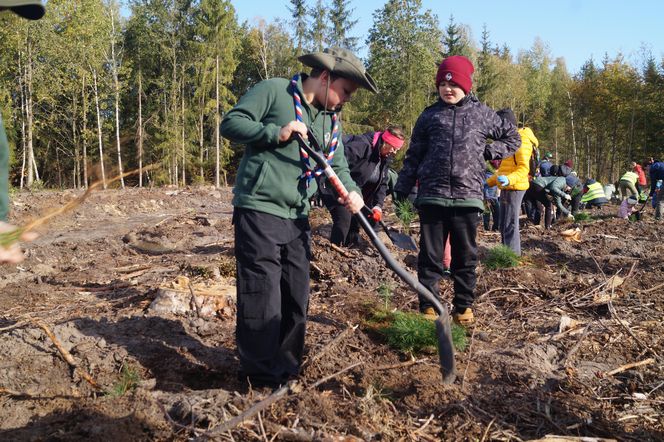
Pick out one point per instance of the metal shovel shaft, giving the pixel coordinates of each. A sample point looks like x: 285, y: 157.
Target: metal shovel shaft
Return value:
x: 443, y: 326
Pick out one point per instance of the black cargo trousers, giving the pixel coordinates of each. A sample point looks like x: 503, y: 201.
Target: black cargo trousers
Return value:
x: 460, y: 223
x: 272, y: 257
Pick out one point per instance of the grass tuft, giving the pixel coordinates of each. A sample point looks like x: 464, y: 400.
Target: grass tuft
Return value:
x: 501, y: 257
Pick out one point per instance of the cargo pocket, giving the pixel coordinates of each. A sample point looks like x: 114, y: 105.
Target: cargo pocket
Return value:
x: 252, y: 301
x: 265, y: 168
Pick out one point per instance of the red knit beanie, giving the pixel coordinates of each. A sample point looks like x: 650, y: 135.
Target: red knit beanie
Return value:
x: 457, y: 69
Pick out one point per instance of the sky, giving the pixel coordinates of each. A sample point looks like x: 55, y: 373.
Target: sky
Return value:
x: 573, y: 29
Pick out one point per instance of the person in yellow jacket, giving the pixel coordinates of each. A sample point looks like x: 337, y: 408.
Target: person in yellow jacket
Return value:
x: 628, y: 185
x: 512, y: 180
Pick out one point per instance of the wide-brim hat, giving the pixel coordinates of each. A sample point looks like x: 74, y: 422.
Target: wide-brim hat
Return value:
x: 33, y: 10
x: 342, y: 63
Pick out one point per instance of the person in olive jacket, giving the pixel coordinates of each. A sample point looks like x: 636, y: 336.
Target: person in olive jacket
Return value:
x: 32, y: 10
x: 274, y: 185
x: 447, y: 154
x: 512, y: 180
x: 369, y: 157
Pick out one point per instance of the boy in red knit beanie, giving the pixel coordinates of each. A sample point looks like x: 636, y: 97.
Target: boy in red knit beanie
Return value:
x: 447, y: 154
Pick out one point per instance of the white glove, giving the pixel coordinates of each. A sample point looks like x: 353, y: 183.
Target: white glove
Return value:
x: 570, y: 216
x: 568, y: 197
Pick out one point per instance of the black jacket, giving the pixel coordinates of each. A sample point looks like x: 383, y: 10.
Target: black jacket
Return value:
x: 448, y: 148
x: 367, y: 168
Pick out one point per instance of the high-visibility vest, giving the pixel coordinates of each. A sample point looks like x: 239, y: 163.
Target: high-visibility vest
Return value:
x: 595, y: 190
x: 630, y: 176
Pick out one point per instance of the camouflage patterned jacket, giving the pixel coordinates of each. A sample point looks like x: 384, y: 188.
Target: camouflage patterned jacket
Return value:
x: 447, y: 152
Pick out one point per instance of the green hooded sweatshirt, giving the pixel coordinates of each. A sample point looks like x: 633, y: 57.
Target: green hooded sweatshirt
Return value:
x: 269, y: 177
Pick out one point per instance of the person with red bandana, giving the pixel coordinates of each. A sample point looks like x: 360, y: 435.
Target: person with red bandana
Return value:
x: 369, y: 157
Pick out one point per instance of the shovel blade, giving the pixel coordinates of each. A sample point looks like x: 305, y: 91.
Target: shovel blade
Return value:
x: 402, y: 240
x: 445, y: 348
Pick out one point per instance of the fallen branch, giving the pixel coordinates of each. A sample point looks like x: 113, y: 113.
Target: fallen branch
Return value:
x: 16, y: 325
x: 652, y: 289
x: 237, y: 420
x: 340, y: 250
x: 346, y: 332
x: 499, y: 289
x: 486, y: 432
x: 576, y: 346
x: 614, y: 313
x: 630, y: 366
x: 399, y: 365
x: 67, y: 356
x: 334, y: 375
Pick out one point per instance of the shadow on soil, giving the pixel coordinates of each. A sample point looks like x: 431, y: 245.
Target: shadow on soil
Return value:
x: 175, y: 359
x: 82, y: 425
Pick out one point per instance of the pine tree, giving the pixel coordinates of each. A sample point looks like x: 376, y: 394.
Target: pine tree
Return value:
x: 341, y: 24
x: 319, y: 28
x: 455, y: 41
x: 298, y: 22
x: 404, y: 46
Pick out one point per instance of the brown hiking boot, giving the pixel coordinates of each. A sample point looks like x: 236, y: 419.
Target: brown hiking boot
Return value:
x: 430, y: 313
x: 463, y: 317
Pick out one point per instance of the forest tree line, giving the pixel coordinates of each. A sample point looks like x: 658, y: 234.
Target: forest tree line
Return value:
x: 99, y: 87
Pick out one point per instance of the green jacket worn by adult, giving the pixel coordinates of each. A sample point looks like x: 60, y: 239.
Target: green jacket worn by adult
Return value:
x: 4, y: 173
x: 269, y: 176
x: 555, y: 185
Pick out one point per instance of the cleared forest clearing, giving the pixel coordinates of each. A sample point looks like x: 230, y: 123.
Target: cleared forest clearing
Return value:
x: 85, y: 356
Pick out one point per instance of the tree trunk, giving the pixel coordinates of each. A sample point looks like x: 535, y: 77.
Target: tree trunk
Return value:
x: 116, y: 86
x: 84, y: 133
x: 201, y: 144
x: 614, y: 145
x: 28, y: 114
x: 184, y: 154
x: 571, y: 118
x: 77, y: 158
x: 23, y: 110
x: 99, y: 134
x: 140, y: 128
x: 631, y: 137
x: 216, y: 128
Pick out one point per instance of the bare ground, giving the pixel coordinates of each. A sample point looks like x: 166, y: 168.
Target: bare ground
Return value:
x: 92, y: 275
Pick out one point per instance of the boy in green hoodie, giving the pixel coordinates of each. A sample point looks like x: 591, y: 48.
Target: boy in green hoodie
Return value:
x: 271, y: 204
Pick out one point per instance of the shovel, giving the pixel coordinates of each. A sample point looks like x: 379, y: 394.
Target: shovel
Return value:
x: 443, y: 326
x: 399, y: 239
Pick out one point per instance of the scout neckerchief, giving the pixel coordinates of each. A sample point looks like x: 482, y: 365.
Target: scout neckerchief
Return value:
x: 333, y: 142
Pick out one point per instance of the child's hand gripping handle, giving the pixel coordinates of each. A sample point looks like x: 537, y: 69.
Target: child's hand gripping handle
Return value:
x: 322, y: 163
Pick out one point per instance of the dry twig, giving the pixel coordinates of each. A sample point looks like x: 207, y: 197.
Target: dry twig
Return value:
x: 630, y: 366
x: 237, y: 420
x: 346, y: 332
x: 67, y: 356
x: 334, y: 375
x: 399, y: 365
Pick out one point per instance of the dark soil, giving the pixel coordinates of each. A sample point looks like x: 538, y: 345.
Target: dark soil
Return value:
x: 92, y: 275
